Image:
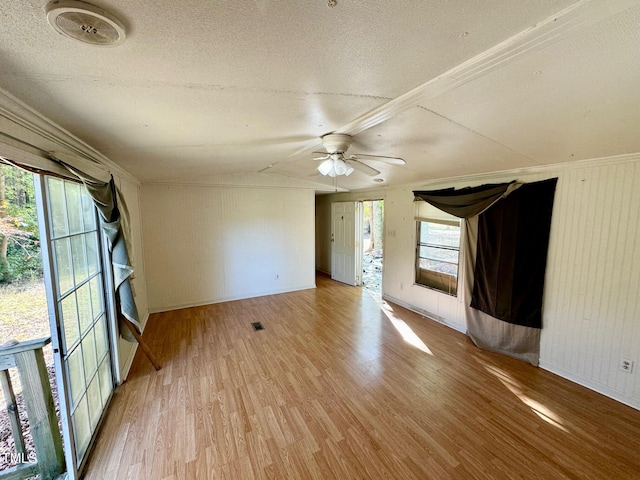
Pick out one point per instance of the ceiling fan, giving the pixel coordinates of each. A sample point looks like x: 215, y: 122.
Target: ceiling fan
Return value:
x: 335, y: 162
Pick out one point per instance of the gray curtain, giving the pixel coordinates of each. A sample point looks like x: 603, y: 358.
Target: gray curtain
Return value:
x: 485, y: 331
x: 466, y: 202
x: 504, y: 280
x: 104, y: 197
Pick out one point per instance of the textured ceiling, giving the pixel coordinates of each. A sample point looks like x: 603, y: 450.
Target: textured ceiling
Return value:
x: 203, y: 89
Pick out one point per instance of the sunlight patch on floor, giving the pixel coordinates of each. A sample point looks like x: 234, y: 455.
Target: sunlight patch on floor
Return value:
x: 403, y: 329
x: 541, y: 410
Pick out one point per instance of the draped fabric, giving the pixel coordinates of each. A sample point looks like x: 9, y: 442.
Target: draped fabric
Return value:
x: 485, y: 331
x: 466, y: 202
x: 505, y: 253
x: 104, y: 197
x: 513, y: 239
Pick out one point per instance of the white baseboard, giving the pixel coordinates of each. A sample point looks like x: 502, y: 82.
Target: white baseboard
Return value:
x: 143, y: 323
x: 424, y: 313
x: 124, y: 369
x: 212, y: 301
x: 599, y: 388
x: 591, y: 385
x: 124, y: 372
x: 596, y: 387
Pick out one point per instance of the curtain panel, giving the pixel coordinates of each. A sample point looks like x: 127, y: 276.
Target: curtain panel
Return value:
x: 466, y: 202
x: 513, y: 239
x: 505, y: 243
x: 104, y: 197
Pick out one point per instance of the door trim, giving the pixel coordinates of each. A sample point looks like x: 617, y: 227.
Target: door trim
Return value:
x: 73, y: 468
x: 42, y: 209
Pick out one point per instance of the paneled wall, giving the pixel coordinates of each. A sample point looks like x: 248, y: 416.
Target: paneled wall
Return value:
x: 207, y: 244
x: 592, y: 306
x: 592, y: 288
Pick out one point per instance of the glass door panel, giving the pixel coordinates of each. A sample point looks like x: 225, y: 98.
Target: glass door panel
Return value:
x: 83, y: 347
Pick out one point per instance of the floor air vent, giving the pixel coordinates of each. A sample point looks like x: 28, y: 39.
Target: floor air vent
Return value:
x: 257, y: 326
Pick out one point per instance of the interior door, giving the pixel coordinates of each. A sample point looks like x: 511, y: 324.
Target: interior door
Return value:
x: 346, y: 238
x: 79, y: 326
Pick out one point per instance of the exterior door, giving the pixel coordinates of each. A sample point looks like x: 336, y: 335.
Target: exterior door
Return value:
x: 346, y: 238
x: 77, y: 313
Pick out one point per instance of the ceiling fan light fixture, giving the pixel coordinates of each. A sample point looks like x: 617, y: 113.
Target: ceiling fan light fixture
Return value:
x: 335, y: 166
x: 326, y: 167
x: 335, y: 162
x: 340, y: 167
x: 336, y: 142
x: 85, y: 22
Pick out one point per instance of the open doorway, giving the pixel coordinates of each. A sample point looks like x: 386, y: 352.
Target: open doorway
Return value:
x: 372, y: 245
x: 24, y: 315
x: 52, y: 286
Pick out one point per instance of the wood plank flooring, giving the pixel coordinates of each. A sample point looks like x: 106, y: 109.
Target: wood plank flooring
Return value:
x: 337, y: 387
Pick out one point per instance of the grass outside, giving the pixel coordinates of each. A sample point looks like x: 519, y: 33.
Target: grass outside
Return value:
x: 23, y: 316
x: 23, y: 311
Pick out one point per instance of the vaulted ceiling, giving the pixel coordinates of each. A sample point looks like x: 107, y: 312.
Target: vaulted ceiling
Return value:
x: 203, y: 89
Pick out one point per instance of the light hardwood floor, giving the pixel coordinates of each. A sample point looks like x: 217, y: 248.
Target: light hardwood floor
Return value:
x: 337, y: 387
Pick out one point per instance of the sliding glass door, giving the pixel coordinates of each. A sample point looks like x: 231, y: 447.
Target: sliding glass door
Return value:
x: 79, y: 325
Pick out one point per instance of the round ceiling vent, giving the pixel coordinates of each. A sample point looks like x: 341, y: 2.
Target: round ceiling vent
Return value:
x: 84, y: 22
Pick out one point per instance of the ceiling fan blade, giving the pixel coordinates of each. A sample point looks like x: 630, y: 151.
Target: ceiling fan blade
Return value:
x: 267, y: 168
x: 326, y: 154
x: 380, y: 158
x: 326, y: 157
x: 363, y: 167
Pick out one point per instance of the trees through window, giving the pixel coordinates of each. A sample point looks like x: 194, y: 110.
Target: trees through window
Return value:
x: 438, y: 254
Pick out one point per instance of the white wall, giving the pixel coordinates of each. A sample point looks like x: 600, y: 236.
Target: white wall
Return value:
x: 592, y: 307
x: 591, y: 311
x: 207, y: 244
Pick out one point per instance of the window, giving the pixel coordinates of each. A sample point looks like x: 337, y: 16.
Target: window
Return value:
x: 438, y: 253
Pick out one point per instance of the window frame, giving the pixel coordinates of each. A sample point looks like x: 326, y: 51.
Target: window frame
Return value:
x: 437, y: 280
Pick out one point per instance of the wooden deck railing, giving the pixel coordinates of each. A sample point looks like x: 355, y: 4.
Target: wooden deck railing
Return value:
x: 27, y: 357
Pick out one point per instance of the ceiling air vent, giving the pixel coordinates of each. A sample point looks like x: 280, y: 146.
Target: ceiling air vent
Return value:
x: 85, y: 23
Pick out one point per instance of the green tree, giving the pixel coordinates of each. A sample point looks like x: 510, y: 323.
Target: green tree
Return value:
x: 368, y: 219
x: 4, y: 236
x: 19, y: 239
x: 373, y: 213
x: 377, y: 224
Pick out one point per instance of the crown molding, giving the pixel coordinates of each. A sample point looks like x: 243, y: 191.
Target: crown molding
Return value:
x: 538, y: 169
x: 34, y: 132
x: 549, y: 31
